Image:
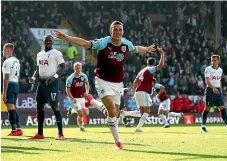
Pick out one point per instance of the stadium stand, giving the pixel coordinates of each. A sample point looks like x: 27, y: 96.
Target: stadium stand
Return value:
x: 178, y: 27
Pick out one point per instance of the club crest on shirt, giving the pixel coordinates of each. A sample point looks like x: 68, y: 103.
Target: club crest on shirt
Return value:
x: 123, y: 48
x: 82, y: 78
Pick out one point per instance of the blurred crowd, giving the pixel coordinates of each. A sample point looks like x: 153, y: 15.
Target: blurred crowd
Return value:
x: 184, y: 34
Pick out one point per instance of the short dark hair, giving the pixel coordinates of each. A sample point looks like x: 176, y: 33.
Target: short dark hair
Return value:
x: 116, y: 22
x: 151, y: 61
x: 9, y: 45
x: 215, y: 56
x: 44, y: 37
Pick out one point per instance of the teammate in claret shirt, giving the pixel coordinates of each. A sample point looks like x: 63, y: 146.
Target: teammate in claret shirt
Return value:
x: 109, y: 73
x: 77, y: 88
x: 142, y: 86
x: 159, y: 91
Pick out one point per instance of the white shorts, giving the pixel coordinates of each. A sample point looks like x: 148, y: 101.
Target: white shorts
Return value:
x: 165, y: 105
x: 80, y: 103
x: 142, y: 99
x: 105, y: 88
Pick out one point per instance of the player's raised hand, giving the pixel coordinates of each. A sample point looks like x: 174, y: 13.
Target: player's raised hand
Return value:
x: 160, y: 50
x: 215, y: 90
x: 31, y: 80
x: 151, y: 49
x: 59, y: 35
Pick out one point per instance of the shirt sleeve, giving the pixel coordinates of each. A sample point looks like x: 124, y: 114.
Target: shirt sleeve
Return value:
x: 158, y: 86
x: 6, y: 67
x: 131, y: 47
x: 85, y: 78
x: 99, y: 44
x: 207, y: 73
x: 152, y: 69
x: 60, y: 58
x: 69, y: 81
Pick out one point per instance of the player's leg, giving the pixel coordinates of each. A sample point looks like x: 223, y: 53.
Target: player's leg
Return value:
x: 11, y: 97
x: 223, y: 114
x: 219, y: 102
x: 41, y: 101
x: 110, y: 95
x: 82, y: 111
x: 53, y: 100
x: 162, y: 113
x: 204, y: 118
x: 143, y: 101
x: 167, y: 124
x: 19, y: 131
x: 175, y: 114
x: 111, y: 116
x: 80, y: 115
x: 130, y: 113
x: 144, y: 110
x: 166, y: 109
x: 74, y: 107
x: 97, y: 104
x: 12, y: 118
x: 210, y: 96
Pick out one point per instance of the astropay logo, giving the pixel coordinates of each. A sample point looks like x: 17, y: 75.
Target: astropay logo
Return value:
x: 32, y: 121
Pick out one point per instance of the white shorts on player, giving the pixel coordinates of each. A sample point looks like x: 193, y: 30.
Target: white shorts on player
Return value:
x: 105, y: 88
x: 142, y: 99
x: 80, y: 104
x: 165, y: 105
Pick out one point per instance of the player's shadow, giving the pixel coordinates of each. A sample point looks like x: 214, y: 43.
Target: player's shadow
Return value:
x: 99, y: 142
x: 105, y: 132
x: 194, y: 156
x: 26, y: 150
x: 24, y: 139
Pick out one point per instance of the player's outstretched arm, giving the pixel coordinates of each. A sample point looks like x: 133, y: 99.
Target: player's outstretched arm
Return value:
x: 142, y: 49
x: 74, y: 40
x: 162, y: 58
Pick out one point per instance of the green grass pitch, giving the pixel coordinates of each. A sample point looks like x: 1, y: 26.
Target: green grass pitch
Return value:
x: 155, y: 143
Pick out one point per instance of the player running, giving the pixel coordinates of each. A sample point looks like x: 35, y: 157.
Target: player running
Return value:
x: 11, y: 72
x: 77, y: 87
x: 142, y: 86
x: 48, y: 62
x: 213, y: 91
x: 159, y: 91
x: 109, y: 73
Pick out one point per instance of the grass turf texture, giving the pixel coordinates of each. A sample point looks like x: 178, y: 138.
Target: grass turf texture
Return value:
x: 155, y: 143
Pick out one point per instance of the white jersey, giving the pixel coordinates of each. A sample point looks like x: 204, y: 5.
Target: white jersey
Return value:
x: 214, y: 76
x: 48, y: 62
x: 11, y: 66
